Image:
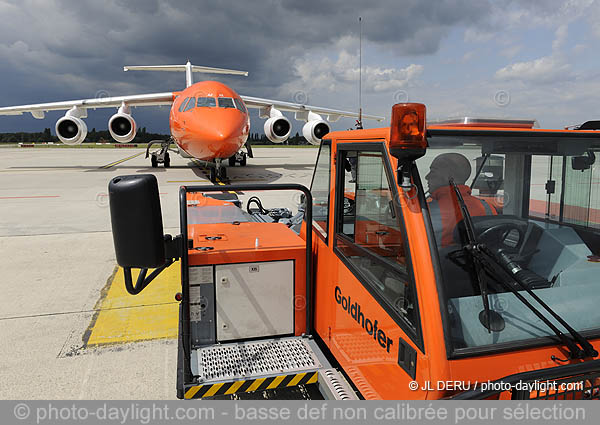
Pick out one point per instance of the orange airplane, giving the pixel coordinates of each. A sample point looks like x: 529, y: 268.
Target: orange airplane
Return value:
x: 209, y: 121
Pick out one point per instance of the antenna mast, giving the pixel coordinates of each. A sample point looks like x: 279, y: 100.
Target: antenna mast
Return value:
x: 359, y: 121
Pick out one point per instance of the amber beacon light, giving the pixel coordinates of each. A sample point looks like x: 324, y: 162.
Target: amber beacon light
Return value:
x: 407, y: 138
x: 407, y: 132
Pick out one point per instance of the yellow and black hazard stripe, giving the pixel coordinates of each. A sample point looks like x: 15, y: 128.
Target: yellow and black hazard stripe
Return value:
x: 250, y: 385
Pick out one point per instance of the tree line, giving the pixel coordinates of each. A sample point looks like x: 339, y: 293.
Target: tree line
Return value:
x: 141, y: 137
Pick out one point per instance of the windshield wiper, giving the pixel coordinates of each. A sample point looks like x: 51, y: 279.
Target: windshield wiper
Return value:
x: 492, y: 262
x: 471, y: 247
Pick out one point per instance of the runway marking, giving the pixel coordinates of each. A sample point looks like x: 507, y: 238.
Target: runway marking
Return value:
x: 30, y: 197
x: 152, y: 314
x: 112, y: 164
x: 187, y: 181
x: 218, y: 182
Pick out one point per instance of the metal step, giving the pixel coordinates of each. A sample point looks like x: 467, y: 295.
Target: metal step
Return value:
x: 334, y: 386
x: 248, y: 360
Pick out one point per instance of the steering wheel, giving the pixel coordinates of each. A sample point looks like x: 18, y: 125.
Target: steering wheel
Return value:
x: 506, y: 236
x: 506, y: 232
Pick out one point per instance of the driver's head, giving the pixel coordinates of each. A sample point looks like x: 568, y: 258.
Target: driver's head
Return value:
x: 447, y: 165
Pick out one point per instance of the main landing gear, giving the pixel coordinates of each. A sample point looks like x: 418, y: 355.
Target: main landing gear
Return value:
x: 160, y: 156
x: 239, y: 157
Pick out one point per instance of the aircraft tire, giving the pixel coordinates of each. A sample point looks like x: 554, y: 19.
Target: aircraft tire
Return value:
x: 167, y: 162
x: 223, y: 173
x: 154, y: 161
x: 243, y: 161
x: 232, y: 161
x: 213, y: 175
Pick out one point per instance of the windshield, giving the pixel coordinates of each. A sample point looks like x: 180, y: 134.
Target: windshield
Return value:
x: 226, y: 102
x: 206, y: 101
x: 542, y: 210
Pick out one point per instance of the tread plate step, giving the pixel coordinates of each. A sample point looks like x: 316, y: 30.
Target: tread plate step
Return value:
x: 224, y: 362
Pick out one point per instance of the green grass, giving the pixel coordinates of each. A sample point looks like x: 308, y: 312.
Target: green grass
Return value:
x: 63, y: 146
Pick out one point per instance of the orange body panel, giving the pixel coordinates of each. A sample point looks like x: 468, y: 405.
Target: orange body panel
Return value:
x: 372, y: 367
x: 209, y: 133
x: 238, y: 245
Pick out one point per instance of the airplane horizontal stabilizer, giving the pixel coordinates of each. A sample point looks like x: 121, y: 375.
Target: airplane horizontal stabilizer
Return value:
x: 188, y: 68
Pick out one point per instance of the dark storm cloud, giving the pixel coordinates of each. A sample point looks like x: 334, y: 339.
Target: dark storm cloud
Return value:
x: 69, y: 49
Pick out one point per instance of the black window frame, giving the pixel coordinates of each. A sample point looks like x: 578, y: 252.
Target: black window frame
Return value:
x: 416, y: 334
x: 324, y: 142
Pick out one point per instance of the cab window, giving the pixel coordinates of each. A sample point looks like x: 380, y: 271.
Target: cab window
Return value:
x: 206, y: 101
x: 226, y: 102
x: 533, y: 209
x: 185, y: 101
x: 319, y: 189
x: 369, y: 237
x: 191, y: 104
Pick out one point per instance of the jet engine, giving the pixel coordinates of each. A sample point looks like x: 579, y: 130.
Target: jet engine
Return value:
x: 313, y: 131
x: 71, y: 129
x: 278, y: 129
x: 122, y: 126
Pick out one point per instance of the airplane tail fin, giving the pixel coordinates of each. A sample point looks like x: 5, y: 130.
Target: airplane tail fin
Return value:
x: 188, y: 68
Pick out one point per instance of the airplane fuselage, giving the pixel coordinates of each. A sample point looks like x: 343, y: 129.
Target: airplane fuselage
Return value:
x: 209, y: 120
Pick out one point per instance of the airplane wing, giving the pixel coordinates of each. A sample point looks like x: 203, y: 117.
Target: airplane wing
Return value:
x: 38, y: 110
x: 332, y: 114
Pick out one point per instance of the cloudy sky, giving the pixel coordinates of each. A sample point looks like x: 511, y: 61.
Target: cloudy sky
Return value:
x: 504, y: 58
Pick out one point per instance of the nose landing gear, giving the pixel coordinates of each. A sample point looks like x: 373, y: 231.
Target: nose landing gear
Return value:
x: 160, y: 156
x: 218, y: 172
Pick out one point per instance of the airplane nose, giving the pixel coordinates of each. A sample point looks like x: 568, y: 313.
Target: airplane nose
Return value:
x: 217, y: 132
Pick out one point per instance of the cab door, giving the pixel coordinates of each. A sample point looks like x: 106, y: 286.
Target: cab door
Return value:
x: 367, y: 309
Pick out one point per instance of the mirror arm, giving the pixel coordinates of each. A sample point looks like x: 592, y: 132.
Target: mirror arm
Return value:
x: 173, y: 250
x: 404, y: 168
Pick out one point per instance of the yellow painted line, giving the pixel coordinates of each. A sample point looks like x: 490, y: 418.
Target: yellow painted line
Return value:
x: 192, y: 392
x: 187, y: 181
x: 276, y: 382
x: 213, y: 390
x: 152, y: 314
x: 234, y: 387
x: 255, y: 384
x: 314, y: 378
x: 296, y: 379
x: 112, y: 164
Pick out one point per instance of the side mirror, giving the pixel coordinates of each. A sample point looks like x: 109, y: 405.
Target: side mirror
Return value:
x: 136, y: 221
x: 582, y: 163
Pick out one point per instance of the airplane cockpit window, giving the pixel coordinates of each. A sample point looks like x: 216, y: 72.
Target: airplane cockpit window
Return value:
x: 206, y: 101
x: 191, y: 104
x: 183, y: 104
x: 226, y: 102
x: 240, y: 105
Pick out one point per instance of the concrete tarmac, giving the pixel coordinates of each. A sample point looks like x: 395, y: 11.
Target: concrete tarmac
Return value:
x: 58, y: 264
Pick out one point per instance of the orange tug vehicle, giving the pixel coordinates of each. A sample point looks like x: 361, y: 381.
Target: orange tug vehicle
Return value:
x: 361, y: 294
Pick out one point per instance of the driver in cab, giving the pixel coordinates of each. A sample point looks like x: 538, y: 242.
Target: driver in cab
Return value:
x: 443, y: 204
